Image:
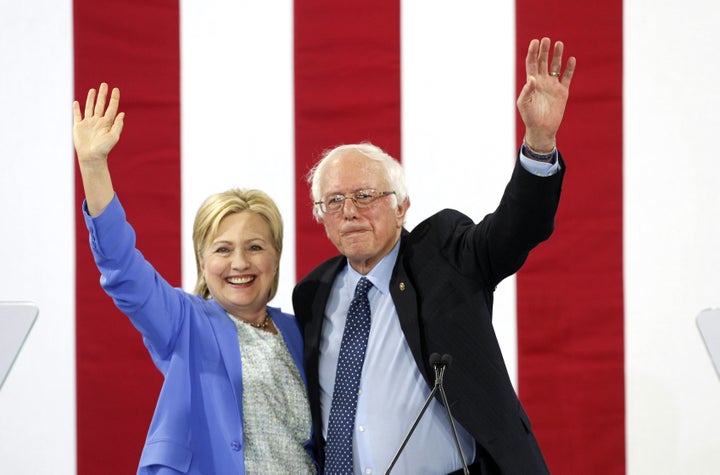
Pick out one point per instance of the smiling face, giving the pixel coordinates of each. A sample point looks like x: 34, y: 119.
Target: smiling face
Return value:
x: 240, y: 264
x: 363, y: 235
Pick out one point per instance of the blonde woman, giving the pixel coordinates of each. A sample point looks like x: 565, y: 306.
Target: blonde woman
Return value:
x: 234, y: 394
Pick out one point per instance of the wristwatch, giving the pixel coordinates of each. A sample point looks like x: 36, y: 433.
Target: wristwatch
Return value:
x: 542, y: 157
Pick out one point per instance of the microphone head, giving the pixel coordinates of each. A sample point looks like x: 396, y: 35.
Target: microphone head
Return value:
x: 446, y: 360
x: 435, y: 359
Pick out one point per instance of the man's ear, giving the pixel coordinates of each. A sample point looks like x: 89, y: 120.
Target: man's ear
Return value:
x: 402, y: 209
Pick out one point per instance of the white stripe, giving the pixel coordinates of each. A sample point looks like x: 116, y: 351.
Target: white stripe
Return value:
x: 37, y: 205
x: 672, y: 231
x: 237, y: 114
x: 458, y: 119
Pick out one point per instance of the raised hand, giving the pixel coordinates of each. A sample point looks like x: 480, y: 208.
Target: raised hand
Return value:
x: 98, y: 132
x: 542, y: 101
x: 94, y: 136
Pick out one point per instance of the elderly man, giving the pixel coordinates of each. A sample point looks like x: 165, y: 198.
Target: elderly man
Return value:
x: 373, y: 315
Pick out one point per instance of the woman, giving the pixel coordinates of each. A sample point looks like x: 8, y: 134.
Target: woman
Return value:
x: 234, y: 395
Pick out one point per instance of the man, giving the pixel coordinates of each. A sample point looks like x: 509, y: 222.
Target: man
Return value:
x: 423, y: 292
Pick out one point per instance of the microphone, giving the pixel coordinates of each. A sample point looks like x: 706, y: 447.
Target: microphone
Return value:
x: 439, y: 364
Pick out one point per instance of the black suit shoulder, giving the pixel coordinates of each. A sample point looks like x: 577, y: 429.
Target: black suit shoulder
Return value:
x: 314, y: 288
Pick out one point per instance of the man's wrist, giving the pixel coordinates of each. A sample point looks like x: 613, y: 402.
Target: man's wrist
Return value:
x: 529, y: 152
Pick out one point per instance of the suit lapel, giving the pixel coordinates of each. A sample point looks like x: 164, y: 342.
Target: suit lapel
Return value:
x: 227, y: 340
x: 318, y: 303
x: 403, y: 295
x: 405, y: 300
x: 313, y: 325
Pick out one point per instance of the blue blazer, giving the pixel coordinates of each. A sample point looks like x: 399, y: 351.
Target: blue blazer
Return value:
x: 197, y: 427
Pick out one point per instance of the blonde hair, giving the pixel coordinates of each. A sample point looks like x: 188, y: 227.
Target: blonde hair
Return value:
x: 218, y: 206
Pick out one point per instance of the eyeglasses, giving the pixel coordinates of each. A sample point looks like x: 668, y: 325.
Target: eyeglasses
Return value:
x: 360, y: 198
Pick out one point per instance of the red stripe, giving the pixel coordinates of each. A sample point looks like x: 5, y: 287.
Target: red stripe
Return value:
x: 347, y: 89
x: 570, y: 292
x: 134, y: 46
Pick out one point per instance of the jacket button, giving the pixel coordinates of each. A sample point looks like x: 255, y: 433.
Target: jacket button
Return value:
x: 402, y: 286
x: 235, y: 445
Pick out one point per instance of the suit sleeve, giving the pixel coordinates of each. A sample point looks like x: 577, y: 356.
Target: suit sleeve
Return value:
x: 137, y: 289
x: 499, y: 244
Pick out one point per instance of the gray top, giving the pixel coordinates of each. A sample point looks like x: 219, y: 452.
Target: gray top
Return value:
x: 276, y: 412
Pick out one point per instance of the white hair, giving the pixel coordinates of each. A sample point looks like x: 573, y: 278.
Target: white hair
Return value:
x: 393, y: 172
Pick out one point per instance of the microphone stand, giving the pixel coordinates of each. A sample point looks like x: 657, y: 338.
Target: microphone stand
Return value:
x: 439, y: 364
x: 444, y: 363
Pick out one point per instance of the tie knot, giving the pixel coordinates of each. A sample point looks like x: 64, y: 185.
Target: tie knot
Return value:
x: 363, y: 287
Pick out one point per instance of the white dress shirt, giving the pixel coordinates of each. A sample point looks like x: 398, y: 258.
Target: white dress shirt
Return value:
x: 392, y: 390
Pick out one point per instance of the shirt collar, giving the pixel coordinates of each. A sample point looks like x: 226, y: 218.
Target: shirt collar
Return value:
x: 379, y: 275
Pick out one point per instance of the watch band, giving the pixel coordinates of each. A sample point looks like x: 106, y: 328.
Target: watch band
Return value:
x: 543, y: 157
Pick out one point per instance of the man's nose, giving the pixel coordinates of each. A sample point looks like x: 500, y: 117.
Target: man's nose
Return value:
x: 349, y: 208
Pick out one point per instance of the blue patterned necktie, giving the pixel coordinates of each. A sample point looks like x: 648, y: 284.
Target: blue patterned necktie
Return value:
x: 338, y: 452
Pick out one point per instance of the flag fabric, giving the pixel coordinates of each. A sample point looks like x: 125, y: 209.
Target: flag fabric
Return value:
x: 598, y: 327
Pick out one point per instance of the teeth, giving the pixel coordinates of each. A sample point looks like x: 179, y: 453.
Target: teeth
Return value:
x: 240, y: 280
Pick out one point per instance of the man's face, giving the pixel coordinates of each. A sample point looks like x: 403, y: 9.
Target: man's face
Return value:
x: 363, y: 235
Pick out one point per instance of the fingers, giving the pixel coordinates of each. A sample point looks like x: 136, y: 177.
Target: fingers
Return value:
x: 539, y: 63
x: 90, y: 103
x: 101, y: 97
x: 531, y: 62
x: 569, y: 71
x: 543, y: 56
x: 77, y: 115
x: 118, y: 124
x: 114, y: 103
x: 95, y: 104
x: 556, y: 59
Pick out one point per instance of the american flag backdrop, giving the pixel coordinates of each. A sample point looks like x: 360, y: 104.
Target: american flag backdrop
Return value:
x: 598, y: 328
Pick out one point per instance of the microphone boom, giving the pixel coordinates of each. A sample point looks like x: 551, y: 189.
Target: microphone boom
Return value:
x: 439, y: 364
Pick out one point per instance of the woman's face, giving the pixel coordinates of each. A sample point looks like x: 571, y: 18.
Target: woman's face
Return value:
x: 240, y: 264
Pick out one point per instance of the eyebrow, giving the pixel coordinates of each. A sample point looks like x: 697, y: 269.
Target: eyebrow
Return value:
x: 228, y: 241
x: 364, y: 188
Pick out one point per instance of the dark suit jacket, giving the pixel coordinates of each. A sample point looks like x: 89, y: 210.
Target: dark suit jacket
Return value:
x: 442, y: 286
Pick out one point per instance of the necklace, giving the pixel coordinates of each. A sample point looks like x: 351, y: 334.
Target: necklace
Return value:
x: 264, y: 324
